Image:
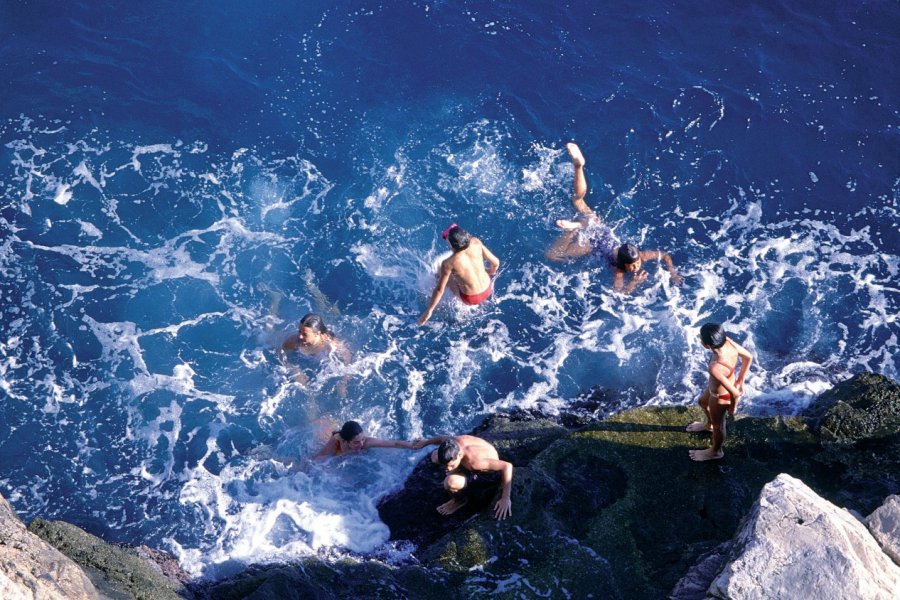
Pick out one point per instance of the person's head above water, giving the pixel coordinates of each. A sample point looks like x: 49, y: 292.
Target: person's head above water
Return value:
x: 457, y: 236
x: 628, y: 258
x: 350, y: 430
x: 712, y: 335
x: 351, y: 436
x: 311, y: 330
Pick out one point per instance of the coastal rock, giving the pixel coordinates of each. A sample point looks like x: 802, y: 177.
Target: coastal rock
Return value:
x: 884, y: 524
x: 863, y: 407
x: 115, y: 571
x: 32, y: 569
x: 794, y: 544
x: 858, y: 425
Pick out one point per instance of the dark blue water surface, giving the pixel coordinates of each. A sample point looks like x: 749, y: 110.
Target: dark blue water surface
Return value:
x: 182, y: 181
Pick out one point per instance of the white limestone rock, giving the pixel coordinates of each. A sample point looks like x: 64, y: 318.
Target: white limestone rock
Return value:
x: 795, y: 544
x: 31, y: 569
x: 884, y: 524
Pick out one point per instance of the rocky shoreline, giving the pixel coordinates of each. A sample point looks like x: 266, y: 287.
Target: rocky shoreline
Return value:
x: 609, y: 508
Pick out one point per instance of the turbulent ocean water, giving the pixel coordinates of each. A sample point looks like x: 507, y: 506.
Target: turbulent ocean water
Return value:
x: 180, y: 182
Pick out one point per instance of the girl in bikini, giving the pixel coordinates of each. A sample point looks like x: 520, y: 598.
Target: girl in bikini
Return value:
x: 722, y: 391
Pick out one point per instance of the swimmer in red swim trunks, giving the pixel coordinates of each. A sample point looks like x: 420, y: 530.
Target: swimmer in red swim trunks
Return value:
x: 722, y: 392
x: 464, y: 272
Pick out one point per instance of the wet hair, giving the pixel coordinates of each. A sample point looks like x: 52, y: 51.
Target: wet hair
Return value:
x: 713, y: 335
x: 627, y: 254
x: 350, y: 430
x: 314, y: 322
x: 459, y: 238
x: 447, y: 451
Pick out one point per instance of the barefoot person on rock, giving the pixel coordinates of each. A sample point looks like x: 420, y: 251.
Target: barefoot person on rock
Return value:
x: 722, y: 391
x: 589, y: 235
x: 473, y: 467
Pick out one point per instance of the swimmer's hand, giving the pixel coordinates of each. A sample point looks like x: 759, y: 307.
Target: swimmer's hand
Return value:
x: 637, y: 280
x: 676, y: 278
x: 503, y: 509
x: 425, y: 316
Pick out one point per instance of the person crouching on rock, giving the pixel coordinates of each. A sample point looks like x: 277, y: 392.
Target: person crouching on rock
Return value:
x: 352, y: 438
x: 722, y: 391
x: 473, y: 466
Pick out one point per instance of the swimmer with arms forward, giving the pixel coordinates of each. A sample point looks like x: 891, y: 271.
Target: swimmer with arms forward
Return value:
x: 470, y: 462
x: 722, y: 391
x: 464, y: 271
x: 352, y: 438
x: 588, y: 234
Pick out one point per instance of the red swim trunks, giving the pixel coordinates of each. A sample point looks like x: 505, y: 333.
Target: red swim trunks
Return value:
x: 476, y: 299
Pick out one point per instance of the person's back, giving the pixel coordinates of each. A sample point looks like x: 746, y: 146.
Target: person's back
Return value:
x: 726, y: 358
x: 475, y: 451
x: 464, y: 272
x: 468, y: 268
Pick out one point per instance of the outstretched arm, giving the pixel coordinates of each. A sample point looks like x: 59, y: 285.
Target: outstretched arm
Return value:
x: 376, y: 443
x: 432, y: 441
x: 446, y: 271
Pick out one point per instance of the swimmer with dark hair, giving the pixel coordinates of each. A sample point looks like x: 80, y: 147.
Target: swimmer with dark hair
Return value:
x: 473, y: 467
x: 314, y: 343
x: 589, y: 235
x: 464, y: 271
x: 352, y: 438
x: 722, y: 391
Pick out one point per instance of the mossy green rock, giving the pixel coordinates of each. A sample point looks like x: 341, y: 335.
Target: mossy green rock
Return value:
x: 864, y: 407
x: 116, y: 572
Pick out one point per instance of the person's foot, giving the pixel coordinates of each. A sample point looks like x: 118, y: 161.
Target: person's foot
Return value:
x: 698, y: 427
x: 575, y: 153
x: 450, y: 507
x: 708, y: 454
x: 568, y: 225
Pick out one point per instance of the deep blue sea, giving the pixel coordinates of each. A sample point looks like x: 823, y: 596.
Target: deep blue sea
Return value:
x: 180, y: 182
